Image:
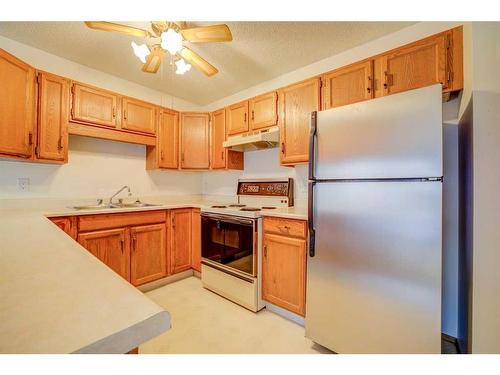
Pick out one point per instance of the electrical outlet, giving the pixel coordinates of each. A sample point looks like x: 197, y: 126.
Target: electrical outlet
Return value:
x: 23, y: 184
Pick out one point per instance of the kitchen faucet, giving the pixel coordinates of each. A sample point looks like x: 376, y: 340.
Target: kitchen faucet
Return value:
x: 118, y: 192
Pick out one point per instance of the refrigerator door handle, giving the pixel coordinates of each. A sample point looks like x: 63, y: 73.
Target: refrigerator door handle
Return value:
x: 310, y: 218
x: 312, y: 144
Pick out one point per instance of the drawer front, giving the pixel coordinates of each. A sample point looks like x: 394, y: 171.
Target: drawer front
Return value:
x: 106, y: 221
x: 286, y: 227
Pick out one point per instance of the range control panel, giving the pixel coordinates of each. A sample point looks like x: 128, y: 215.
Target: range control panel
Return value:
x: 280, y: 188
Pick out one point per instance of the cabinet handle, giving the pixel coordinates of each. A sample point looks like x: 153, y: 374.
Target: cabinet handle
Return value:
x: 283, y: 147
x: 388, y: 80
x: 265, y: 251
x: 369, y: 87
x: 114, y: 112
x: 173, y: 222
x: 124, y: 114
x: 121, y: 244
x: 30, y: 139
x: 253, y: 115
x: 59, y: 143
x: 134, y: 239
x: 245, y: 117
x: 222, y: 154
x: 182, y: 157
x: 161, y: 154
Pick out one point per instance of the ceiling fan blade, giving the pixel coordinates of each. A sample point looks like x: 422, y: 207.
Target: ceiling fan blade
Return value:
x: 153, y: 61
x: 207, y: 34
x: 117, y: 28
x: 197, y: 61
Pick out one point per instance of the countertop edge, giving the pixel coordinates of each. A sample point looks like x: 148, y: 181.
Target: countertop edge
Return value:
x: 123, y: 341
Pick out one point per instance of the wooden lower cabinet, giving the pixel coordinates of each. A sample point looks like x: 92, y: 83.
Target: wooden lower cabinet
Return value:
x: 66, y: 223
x: 196, y: 239
x: 148, y: 253
x: 111, y: 247
x: 284, y: 272
x: 180, y: 245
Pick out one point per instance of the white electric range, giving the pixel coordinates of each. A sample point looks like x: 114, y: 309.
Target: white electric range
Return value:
x: 231, y: 243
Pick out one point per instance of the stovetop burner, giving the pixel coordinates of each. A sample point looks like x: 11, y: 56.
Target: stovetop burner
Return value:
x: 237, y: 205
x: 249, y: 209
x: 219, y: 206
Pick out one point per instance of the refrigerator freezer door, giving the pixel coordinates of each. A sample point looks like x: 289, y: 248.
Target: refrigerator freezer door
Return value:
x: 374, y: 284
x: 396, y: 136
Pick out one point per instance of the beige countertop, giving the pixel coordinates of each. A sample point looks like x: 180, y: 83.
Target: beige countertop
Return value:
x: 58, y: 298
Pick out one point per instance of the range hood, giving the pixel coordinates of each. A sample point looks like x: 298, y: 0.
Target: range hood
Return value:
x: 256, y: 140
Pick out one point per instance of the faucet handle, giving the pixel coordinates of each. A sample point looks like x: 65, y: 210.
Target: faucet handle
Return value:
x: 99, y: 201
x: 120, y: 200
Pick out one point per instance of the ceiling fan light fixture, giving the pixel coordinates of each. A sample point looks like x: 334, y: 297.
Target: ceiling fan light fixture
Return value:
x: 182, y: 67
x: 141, y: 51
x: 171, y: 40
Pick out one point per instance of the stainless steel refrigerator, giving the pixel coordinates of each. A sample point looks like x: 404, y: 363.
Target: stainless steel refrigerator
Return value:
x: 375, y: 220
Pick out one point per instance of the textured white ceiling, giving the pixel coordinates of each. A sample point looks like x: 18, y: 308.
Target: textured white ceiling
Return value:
x: 259, y: 51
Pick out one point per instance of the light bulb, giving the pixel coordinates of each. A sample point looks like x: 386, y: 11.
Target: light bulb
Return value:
x: 171, y: 40
x: 141, y: 51
x: 182, y: 67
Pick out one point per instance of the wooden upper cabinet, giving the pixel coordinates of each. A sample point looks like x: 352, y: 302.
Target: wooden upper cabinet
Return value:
x: 138, y: 116
x: 94, y: 106
x: 168, y: 139
x: 180, y: 248
x: 263, y: 111
x: 110, y: 247
x: 417, y: 65
x: 347, y: 85
x: 296, y: 104
x: 237, y: 118
x: 284, y: 272
x: 148, y: 248
x: 17, y: 107
x: 53, y: 102
x: 218, y: 137
x: 195, y: 141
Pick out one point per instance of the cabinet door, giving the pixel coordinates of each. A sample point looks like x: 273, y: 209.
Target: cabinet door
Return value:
x: 219, y: 153
x: 17, y: 106
x: 195, y: 141
x: 138, y: 116
x: 93, y: 106
x: 284, y: 272
x: 148, y: 258
x: 196, y: 239
x: 168, y: 139
x: 237, y: 118
x: 53, y: 103
x: 180, y: 258
x: 296, y: 104
x: 111, y: 247
x: 420, y: 64
x: 348, y: 85
x: 263, y: 111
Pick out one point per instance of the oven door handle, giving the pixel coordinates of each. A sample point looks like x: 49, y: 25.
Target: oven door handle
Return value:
x: 227, y: 219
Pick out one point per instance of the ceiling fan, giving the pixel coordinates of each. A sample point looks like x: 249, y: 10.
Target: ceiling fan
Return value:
x: 170, y: 36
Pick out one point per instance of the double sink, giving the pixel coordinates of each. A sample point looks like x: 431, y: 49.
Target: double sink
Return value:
x: 103, y: 206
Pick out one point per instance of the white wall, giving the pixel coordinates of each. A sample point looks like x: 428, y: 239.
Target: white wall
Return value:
x: 486, y: 187
x: 96, y: 169
x: 258, y: 164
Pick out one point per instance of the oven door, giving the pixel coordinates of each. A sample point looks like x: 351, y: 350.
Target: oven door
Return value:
x: 229, y: 243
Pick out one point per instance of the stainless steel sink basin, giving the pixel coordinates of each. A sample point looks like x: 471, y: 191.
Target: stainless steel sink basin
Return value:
x: 95, y: 207
x: 102, y: 206
x: 135, y: 204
